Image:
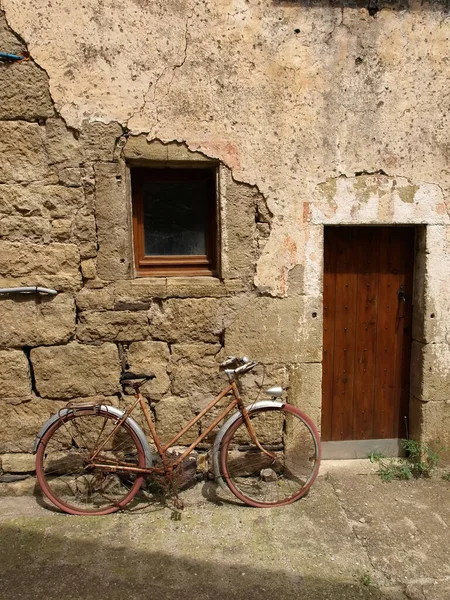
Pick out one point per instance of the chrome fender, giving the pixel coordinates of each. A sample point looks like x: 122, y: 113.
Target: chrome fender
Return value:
x: 101, y: 408
x: 223, y: 430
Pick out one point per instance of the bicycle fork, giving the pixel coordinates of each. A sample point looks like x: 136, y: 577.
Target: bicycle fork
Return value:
x: 248, y: 422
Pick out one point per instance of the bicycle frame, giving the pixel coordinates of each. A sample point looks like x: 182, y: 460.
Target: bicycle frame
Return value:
x: 162, y: 448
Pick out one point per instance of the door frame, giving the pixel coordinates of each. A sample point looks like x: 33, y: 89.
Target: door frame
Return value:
x: 375, y: 198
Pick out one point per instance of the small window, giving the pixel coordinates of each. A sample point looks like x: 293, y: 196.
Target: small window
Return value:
x: 174, y: 221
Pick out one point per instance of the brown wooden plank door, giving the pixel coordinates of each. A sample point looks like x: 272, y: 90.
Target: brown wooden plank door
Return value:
x: 368, y: 277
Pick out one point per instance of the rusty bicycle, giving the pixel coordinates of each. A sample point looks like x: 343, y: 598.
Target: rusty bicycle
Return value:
x: 93, y: 458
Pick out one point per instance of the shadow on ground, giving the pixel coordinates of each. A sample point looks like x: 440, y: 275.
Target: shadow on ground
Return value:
x: 39, y: 564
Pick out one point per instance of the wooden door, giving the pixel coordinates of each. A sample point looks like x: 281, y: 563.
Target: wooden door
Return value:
x: 367, y: 332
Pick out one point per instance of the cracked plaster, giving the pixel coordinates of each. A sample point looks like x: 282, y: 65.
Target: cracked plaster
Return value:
x: 287, y: 96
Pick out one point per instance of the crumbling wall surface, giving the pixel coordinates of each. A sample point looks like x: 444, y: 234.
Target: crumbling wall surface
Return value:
x: 287, y: 94
x: 315, y: 113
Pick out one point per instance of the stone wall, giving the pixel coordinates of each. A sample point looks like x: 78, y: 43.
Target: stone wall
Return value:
x: 314, y: 113
x: 65, y: 224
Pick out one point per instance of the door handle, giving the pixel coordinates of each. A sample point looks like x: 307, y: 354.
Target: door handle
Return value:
x: 401, y: 298
x: 401, y: 294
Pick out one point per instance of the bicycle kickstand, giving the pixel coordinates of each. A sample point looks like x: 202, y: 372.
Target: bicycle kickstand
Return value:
x: 177, y: 501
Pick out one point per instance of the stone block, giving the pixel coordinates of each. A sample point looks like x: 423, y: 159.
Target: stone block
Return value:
x: 431, y: 318
x: 20, y: 423
x: 195, y: 372
x: 84, y: 228
x: 236, y: 286
x: 55, y: 265
x: 198, y: 380
x: 195, y: 287
x: 177, y: 151
x: 76, y: 370
x: 430, y: 424
x: 113, y: 223
x: 181, y: 320
x: 70, y: 176
x: 121, y: 326
x: 430, y: 372
x: 62, y: 230
x: 23, y: 154
x: 138, y: 148
x: 88, y: 250
x: 15, y: 379
x: 18, y: 463
x: 99, y: 140
x: 101, y: 299
x: 88, y: 269
x: 262, y: 377
x: 8, y: 39
x: 61, y: 144
x: 26, y: 487
x: 25, y: 92
x: 274, y: 330
x: 137, y: 294
x: 47, y: 201
x: 239, y: 235
x: 19, y: 228
x: 33, y: 320
x: 172, y: 414
x: 305, y: 389
x: 94, y: 284
x: 195, y: 353
x: 150, y: 357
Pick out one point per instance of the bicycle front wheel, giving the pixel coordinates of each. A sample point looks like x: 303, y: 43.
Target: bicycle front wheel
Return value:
x: 78, y: 484
x: 286, y: 466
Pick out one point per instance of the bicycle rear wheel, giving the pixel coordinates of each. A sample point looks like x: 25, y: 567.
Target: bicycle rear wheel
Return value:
x: 72, y: 481
x: 263, y: 480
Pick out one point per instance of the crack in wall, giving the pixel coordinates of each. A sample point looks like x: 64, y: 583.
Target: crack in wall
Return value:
x: 154, y: 86
x: 27, y: 352
x: 174, y: 68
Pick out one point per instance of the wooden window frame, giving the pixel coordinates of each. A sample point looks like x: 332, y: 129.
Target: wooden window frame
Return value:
x: 174, y: 265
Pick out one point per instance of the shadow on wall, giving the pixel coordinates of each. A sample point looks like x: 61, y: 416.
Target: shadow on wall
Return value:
x: 373, y: 6
x: 43, y: 565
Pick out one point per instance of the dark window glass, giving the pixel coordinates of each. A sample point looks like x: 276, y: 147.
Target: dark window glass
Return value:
x: 175, y: 217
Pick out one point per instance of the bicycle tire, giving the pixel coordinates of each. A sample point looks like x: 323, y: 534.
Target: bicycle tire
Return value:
x: 63, y: 470
x: 259, y: 480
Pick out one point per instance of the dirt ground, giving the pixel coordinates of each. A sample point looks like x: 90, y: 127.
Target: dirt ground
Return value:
x: 352, y: 537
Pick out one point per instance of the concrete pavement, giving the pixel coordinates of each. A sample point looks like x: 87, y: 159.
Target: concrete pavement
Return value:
x: 353, y: 537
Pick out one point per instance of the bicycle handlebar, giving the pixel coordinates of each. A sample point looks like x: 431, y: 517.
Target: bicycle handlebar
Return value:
x: 238, y: 365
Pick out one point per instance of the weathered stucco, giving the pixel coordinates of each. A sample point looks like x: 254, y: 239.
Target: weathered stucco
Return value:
x: 315, y: 114
x: 286, y: 94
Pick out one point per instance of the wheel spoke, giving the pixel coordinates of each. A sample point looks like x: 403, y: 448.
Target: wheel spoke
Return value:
x: 72, y: 481
x: 260, y: 480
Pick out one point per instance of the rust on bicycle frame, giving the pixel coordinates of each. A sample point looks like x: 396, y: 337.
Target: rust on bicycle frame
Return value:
x: 125, y: 416
x: 162, y: 448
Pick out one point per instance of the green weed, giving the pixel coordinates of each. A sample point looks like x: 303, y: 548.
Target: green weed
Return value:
x: 375, y: 456
x: 421, y: 460
x: 365, y: 579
